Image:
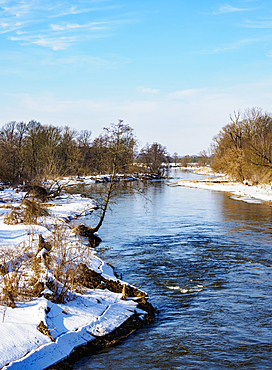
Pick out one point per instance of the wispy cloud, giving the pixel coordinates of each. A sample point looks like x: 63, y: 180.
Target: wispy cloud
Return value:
x: 230, y: 46
x: 230, y: 9
x: 11, y: 25
x: 74, y: 10
x: 185, y: 94
x: 269, y: 54
x: 18, y: 10
x: 266, y: 23
x: 74, y: 26
x: 235, y: 45
x: 55, y: 43
x: 89, y: 63
x: 30, y: 20
x: 148, y: 90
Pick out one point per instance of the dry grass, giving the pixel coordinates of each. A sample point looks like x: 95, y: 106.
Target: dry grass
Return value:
x: 55, y: 263
x: 13, y: 277
x: 66, y: 258
x: 268, y: 203
x: 38, y: 192
x: 27, y: 213
x: 6, y: 206
x: 44, y: 330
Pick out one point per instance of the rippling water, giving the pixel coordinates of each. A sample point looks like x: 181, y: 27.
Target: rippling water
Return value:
x: 206, y: 262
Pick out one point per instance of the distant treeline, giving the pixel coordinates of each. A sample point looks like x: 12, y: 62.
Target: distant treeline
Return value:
x: 243, y: 148
x: 33, y: 151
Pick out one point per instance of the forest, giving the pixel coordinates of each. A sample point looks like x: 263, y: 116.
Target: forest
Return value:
x: 33, y: 151
x: 243, y: 148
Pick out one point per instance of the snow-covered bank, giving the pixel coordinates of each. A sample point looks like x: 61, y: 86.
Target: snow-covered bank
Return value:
x: 243, y: 192
x: 41, y: 330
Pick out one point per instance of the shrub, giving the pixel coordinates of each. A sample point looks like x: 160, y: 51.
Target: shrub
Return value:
x: 13, y: 276
x: 27, y: 213
x: 55, y: 263
x: 37, y: 192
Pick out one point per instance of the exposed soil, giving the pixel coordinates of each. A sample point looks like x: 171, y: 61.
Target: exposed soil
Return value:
x: 117, y: 335
x: 85, y: 232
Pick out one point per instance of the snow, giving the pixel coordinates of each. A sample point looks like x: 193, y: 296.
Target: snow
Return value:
x: 88, y: 314
x: 19, y: 332
x: 242, y: 192
x: 71, y: 206
x: 71, y: 324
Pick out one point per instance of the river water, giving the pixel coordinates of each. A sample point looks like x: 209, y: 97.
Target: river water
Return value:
x: 206, y: 262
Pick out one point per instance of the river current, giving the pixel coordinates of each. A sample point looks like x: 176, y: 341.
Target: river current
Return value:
x: 206, y: 262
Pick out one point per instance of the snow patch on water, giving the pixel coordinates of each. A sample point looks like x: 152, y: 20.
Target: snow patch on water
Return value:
x: 246, y: 199
x: 197, y: 288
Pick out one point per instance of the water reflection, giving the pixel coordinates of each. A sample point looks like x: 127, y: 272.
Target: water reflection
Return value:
x: 205, y: 261
x: 254, y: 217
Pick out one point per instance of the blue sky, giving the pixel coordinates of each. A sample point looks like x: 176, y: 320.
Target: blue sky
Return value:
x: 172, y: 69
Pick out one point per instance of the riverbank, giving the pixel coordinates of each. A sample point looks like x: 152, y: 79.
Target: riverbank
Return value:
x: 59, y: 300
x: 239, y: 191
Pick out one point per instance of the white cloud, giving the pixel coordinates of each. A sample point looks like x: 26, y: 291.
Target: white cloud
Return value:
x: 18, y: 10
x: 33, y: 17
x: 236, y: 45
x: 75, y: 26
x: 56, y: 27
x: 185, y: 126
x: 185, y: 94
x: 269, y: 54
x: 57, y: 43
x: 9, y: 26
x: 261, y: 24
x: 231, y: 46
x: 148, y: 90
x: 75, y: 10
x: 4, y: 25
x: 229, y: 9
x: 89, y: 63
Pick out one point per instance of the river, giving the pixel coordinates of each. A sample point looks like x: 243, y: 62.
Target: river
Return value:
x: 206, y: 262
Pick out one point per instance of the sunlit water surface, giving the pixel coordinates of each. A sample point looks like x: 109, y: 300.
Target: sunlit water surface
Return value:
x: 205, y: 261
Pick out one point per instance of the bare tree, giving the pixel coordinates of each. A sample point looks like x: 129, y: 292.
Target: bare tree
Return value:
x: 243, y: 148
x: 203, y: 158
x: 12, y: 137
x: 257, y: 127
x: 185, y: 160
x: 176, y: 158
x: 153, y: 156
x: 120, y: 144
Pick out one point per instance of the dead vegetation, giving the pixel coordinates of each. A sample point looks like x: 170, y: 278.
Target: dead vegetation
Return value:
x: 44, y: 330
x: 54, y: 264
x: 94, y: 280
x: 43, y: 193
x: 55, y: 268
x: 25, y: 274
x: 27, y: 270
x: 37, y: 192
x: 27, y: 213
x: 87, y: 233
x: 13, y: 276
